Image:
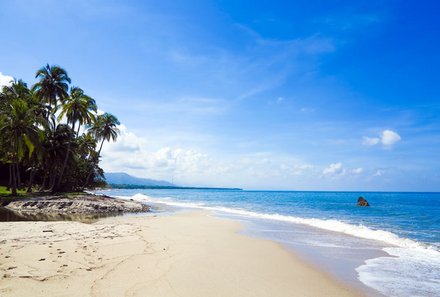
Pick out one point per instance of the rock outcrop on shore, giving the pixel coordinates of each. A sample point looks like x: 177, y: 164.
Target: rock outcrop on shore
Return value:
x: 362, y: 202
x: 87, y: 204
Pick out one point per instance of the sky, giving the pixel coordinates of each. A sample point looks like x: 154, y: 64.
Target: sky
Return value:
x: 288, y: 95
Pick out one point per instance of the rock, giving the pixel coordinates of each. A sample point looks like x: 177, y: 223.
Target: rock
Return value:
x: 362, y: 202
x: 78, y: 204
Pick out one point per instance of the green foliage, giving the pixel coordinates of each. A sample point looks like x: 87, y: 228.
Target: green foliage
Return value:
x: 53, y: 85
x: 105, y: 127
x: 40, y: 151
x: 4, y: 191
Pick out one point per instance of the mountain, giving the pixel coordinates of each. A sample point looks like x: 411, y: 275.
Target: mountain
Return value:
x: 121, y: 178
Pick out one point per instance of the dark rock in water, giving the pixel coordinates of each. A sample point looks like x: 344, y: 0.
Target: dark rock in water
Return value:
x: 362, y: 202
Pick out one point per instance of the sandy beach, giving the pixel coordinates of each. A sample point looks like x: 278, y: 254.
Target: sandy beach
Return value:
x: 187, y: 254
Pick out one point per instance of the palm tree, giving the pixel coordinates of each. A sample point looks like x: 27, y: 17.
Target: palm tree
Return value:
x: 17, y: 90
x: 86, y: 146
x: 57, y: 139
x: 53, y: 85
x: 19, y: 126
x: 32, y: 139
x: 78, y: 108
x: 104, y: 128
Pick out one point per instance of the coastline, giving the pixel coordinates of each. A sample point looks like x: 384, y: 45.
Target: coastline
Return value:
x: 184, y: 254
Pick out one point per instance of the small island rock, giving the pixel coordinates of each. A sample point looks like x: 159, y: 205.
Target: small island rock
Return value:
x: 362, y: 202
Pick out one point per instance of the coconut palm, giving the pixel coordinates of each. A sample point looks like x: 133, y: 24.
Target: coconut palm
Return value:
x: 16, y: 90
x: 86, y: 146
x: 57, y: 139
x: 104, y: 128
x: 53, y: 85
x: 78, y: 108
x: 32, y: 141
x: 19, y: 127
x: 19, y: 90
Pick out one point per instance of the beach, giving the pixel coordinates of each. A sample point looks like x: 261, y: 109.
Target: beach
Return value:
x: 184, y: 254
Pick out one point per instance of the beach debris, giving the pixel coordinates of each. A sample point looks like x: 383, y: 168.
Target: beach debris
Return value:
x: 362, y: 202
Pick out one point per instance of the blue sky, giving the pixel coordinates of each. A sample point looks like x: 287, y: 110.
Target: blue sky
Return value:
x: 341, y: 95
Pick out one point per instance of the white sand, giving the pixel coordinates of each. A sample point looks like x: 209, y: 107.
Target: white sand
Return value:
x: 186, y: 255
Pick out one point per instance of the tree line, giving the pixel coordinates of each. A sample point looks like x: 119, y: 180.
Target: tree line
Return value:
x: 51, y: 134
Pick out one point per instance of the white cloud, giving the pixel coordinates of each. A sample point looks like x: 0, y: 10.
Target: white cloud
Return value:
x: 154, y: 158
x: 370, y: 141
x: 5, y: 79
x: 357, y: 170
x: 334, y: 169
x: 337, y: 169
x: 187, y: 166
x: 387, y: 138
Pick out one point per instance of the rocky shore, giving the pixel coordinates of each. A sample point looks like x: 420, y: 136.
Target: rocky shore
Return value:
x: 74, y: 204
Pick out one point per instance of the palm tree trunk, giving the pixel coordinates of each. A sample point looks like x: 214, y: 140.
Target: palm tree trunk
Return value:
x: 65, y: 159
x: 100, y: 148
x: 14, y: 180
x: 91, y: 170
x: 18, y: 175
x: 77, y: 131
x: 10, y: 177
x: 43, y: 184
x: 52, y: 179
x: 31, y: 180
x: 64, y: 166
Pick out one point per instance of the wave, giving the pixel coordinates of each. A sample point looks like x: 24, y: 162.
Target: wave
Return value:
x: 407, y: 272
x: 360, y: 231
x: 410, y: 268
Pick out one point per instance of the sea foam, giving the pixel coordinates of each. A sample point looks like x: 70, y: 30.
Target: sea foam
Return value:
x: 407, y: 272
x: 329, y: 225
x: 411, y: 269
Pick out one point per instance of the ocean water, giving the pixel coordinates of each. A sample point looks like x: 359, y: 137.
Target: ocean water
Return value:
x: 392, y: 247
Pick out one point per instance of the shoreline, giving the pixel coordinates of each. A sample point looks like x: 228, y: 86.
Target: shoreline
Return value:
x: 368, y: 248
x: 184, y: 254
x: 338, y: 261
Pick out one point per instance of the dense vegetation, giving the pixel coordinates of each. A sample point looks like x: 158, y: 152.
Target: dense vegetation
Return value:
x: 51, y: 134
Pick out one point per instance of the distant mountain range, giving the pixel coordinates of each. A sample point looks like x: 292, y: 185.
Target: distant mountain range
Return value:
x: 121, y: 178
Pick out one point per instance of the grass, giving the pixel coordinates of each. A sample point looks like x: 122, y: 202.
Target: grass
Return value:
x: 5, y: 192
x: 6, y: 196
x: 22, y: 193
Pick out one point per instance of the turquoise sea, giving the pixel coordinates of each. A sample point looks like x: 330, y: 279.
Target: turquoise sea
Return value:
x: 391, y: 248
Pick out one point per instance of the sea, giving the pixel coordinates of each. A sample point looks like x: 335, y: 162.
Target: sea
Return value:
x: 391, y: 248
